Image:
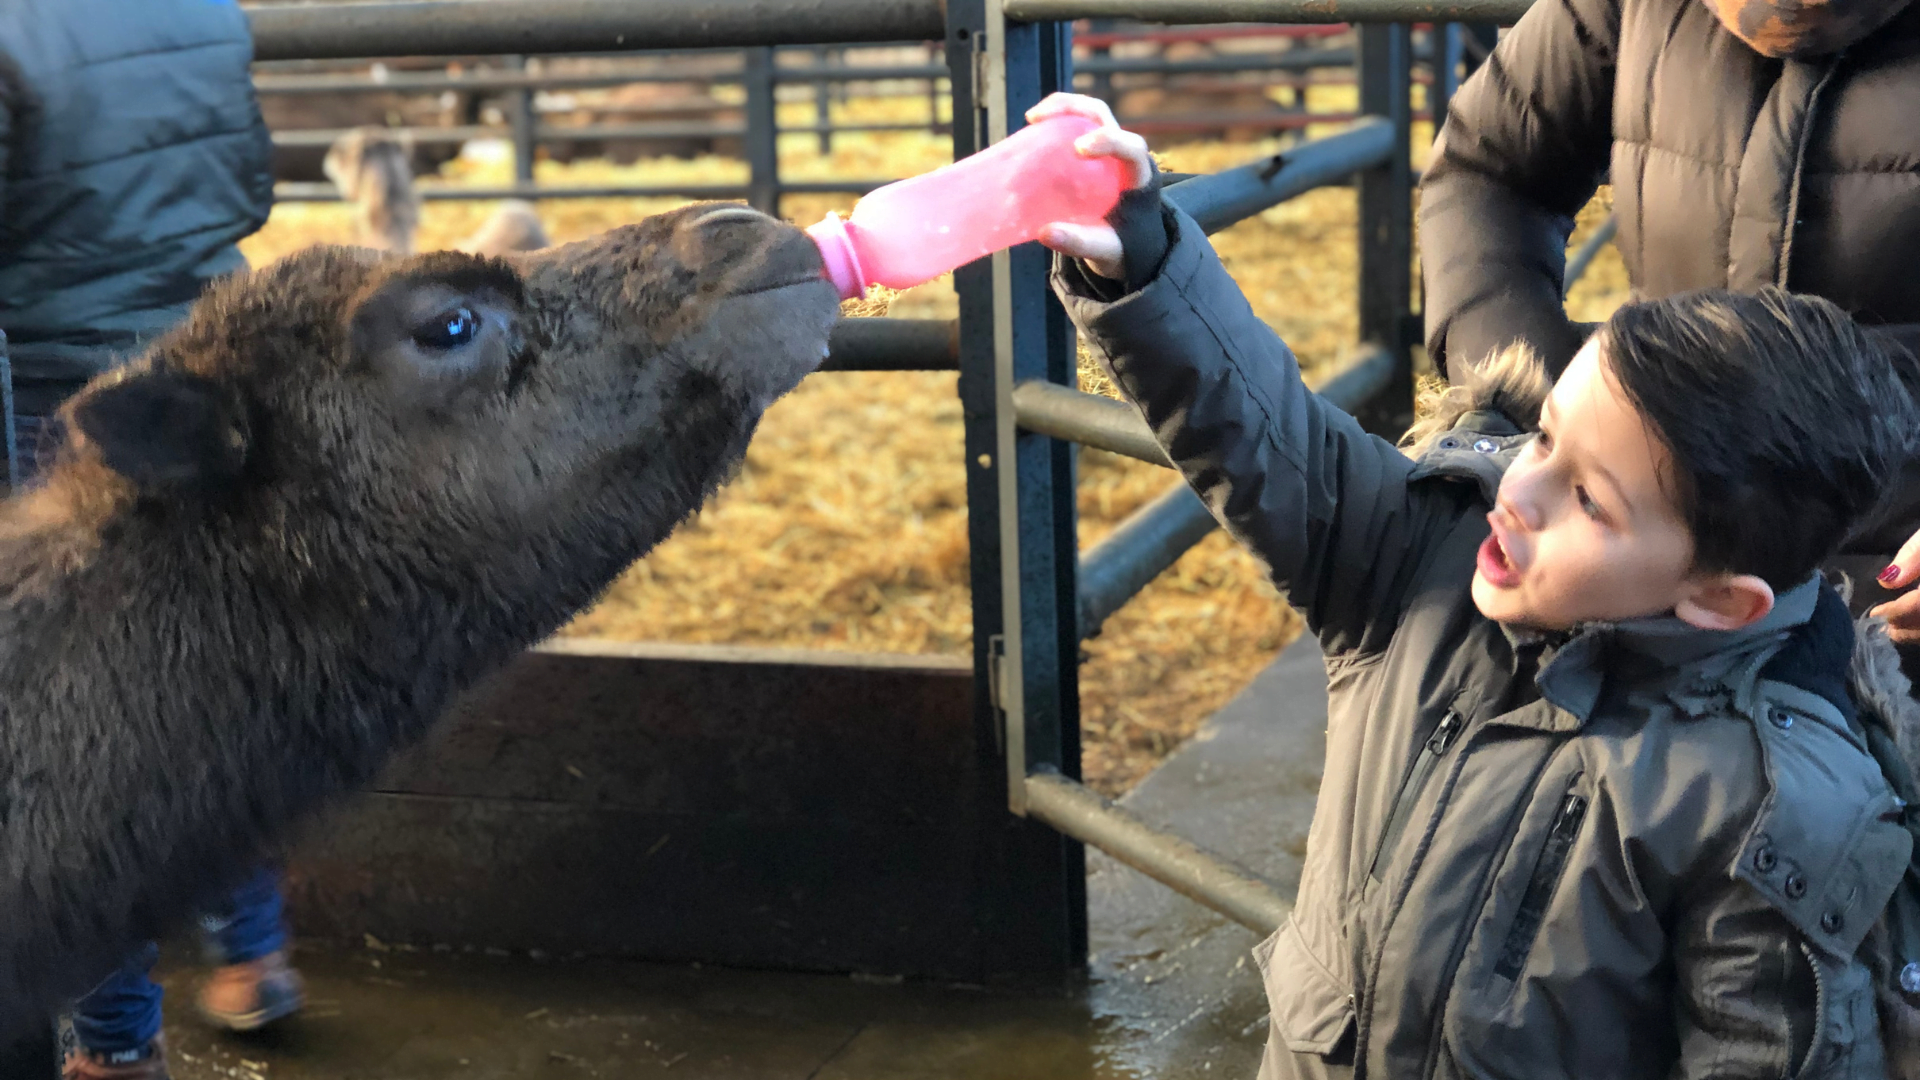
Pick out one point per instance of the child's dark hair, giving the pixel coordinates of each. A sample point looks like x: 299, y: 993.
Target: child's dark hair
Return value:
x: 1785, y: 421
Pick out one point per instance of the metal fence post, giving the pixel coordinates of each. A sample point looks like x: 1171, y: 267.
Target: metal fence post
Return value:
x: 1020, y: 498
x: 823, y: 100
x: 1102, y: 79
x: 520, y: 116
x: 763, y: 132
x: 1385, y: 64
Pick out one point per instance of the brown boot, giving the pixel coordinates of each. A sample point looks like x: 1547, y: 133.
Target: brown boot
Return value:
x: 150, y: 1064
x: 244, y: 997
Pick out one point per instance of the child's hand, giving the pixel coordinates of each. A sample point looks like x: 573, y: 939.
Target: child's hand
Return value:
x: 1096, y: 245
x: 1902, y: 615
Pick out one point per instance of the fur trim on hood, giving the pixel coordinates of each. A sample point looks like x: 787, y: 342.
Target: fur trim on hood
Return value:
x: 1882, y: 691
x: 1513, y: 383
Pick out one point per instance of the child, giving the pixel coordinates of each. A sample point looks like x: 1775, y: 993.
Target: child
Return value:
x: 1596, y: 801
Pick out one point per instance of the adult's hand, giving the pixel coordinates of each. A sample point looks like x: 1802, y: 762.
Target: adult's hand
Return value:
x: 1096, y: 245
x: 1902, y: 614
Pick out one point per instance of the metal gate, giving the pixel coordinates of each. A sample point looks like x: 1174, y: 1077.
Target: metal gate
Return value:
x: 1036, y: 596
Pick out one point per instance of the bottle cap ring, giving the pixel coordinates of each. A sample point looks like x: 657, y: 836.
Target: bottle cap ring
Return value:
x: 837, y: 252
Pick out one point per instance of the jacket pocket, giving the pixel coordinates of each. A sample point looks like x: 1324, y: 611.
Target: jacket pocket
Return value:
x: 1547, y: 868
x: 1311, y: 1008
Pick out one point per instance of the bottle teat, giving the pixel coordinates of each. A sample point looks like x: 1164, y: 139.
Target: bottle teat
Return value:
x: 837, y: 251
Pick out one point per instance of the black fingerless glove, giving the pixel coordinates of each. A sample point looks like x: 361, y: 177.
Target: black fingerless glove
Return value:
x: 1144, y: 224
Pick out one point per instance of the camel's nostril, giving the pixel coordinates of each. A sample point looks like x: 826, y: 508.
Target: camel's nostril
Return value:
x: 730, y: 213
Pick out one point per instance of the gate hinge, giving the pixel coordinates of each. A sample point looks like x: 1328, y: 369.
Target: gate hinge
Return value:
x: 997, y: 688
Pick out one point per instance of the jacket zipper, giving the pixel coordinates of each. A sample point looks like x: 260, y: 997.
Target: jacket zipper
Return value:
x: 1436, y: 748
x: 1546, y: 877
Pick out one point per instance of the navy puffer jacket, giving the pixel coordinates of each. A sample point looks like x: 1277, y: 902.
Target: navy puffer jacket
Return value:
x: 132, y: 158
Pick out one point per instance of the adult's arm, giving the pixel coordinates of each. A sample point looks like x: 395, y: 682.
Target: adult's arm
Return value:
x: 1525, y: 145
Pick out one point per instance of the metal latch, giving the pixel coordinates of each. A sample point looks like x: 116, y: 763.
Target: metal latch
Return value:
x: 980, y: 70
x: 997, y: 688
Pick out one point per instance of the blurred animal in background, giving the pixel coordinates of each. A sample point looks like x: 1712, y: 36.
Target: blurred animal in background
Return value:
x: 374, y: 173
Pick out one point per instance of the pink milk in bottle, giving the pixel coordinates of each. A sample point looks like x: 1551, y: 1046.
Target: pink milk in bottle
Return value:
x: 917, y: 229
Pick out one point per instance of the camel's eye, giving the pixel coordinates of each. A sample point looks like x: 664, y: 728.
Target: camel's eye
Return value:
x: 448, y: 330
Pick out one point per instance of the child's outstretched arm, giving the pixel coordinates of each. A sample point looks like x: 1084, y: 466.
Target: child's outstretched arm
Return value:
x: 1293, y: 478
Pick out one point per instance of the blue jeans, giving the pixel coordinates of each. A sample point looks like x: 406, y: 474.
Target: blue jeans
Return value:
x: 123, y: 1013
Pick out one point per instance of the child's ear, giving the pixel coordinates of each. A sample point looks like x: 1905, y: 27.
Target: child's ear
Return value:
x: 1725, y: 602
x: 165, y: 429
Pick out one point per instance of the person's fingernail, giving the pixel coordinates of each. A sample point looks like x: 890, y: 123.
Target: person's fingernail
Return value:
x: 1890, y: 574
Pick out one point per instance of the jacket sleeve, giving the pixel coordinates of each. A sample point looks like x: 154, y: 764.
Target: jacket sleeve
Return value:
x: 1525, y: 145
x: 1325, y: 505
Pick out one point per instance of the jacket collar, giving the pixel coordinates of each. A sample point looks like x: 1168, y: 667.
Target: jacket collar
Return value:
x: 1700, y: 666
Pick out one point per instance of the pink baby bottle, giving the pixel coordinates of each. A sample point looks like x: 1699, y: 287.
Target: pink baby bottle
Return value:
x: 917, y: 229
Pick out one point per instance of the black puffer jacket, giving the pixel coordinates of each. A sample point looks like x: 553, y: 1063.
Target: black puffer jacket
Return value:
x: 132, y: 157
x: 1728, y: 169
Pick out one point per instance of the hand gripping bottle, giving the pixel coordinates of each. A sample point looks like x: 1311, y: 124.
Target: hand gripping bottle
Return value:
x: 917, y: 229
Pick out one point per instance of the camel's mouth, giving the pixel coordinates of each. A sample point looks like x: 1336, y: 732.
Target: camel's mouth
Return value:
x: 792, y: 282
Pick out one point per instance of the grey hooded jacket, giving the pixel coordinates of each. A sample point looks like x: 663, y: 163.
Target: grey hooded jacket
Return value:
x: 132, y: 157
x: 1616, y: 853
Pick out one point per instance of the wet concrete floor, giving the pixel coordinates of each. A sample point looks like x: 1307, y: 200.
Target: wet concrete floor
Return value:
x: 1171, y: 993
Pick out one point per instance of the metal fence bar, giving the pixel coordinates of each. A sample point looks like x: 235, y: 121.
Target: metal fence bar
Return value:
x: 435, y: 82
x: 1294, y: 60
x: 1047, y: 408
x: 1223, y: 198
x: 664, y: 129
x: 1386, y: 222
x: 1582, y: 260
x: 292, y: 191
x: 763, y: 133
x: 491, y: 27
x: 459, y: 133
x: 1138, y: 550
x: 1273, y: 11
x: 1172, y: 860
x: 524, y: 124
x: 1154, y: 537
x: 894, y: 345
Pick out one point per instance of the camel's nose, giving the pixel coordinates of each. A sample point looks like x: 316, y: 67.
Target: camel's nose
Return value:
x: 723, y: 214
x: 761, y: 252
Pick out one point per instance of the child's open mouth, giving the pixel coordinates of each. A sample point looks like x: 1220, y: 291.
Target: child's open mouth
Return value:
x: 1495, y: 564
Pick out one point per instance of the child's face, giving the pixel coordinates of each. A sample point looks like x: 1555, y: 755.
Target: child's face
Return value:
x: 1585, y: 530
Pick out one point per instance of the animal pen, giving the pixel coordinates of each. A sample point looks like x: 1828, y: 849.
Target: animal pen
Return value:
x: 907, y: 817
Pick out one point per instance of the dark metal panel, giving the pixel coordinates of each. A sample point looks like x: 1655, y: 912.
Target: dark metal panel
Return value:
x: 1194, y: 12
x: 716, y: 805
x: 470, y: 27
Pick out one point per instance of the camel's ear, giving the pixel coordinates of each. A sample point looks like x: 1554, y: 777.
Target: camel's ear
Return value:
x: 164, y: 429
